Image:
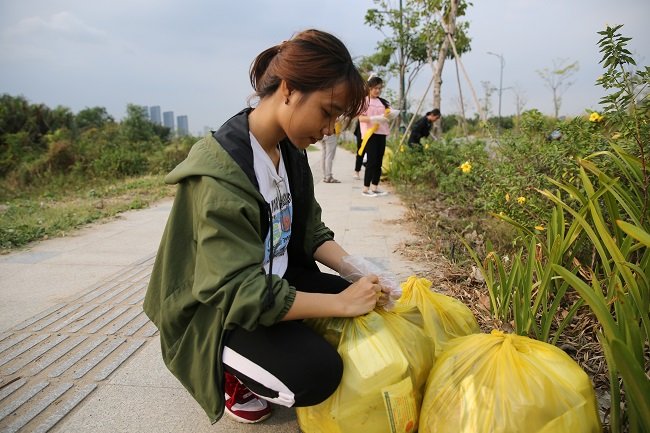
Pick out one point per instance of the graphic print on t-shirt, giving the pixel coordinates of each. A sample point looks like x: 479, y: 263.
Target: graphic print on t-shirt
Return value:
x: 274, y: 187
x: 282, y: 212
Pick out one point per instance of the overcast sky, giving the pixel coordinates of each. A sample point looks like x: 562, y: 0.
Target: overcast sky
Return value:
x: 192, y: 56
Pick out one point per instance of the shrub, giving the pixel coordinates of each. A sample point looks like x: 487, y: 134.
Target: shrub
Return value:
x: 436, y: 164
x: 171, y: 155
x: 605, y: 207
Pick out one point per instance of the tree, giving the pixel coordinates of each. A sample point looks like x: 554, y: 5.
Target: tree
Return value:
x: 439, y: 21
x: 557, y: 79
x: 95, y: 117
x: 136, y: 127
x: 376, y: 63
x: 60, y: 117
x: 488, y: 90
x: 33, y: 121
x: 403, y: 45
x: 520, y: 98
x: 416, y: 35
x: 14, y: 113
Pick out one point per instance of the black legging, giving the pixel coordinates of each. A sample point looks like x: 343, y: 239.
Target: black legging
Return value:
x: 375, y: 148
x: 358, y: 160
x: 307, y: 367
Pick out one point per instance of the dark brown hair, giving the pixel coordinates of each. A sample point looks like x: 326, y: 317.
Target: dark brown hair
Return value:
x: 311, y: 60
x: 375, y: 81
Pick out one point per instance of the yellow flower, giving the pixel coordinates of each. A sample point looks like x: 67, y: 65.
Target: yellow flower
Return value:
x: 507, y: 197
x: 540, y: 228
x: 616, y: 136
x: 521, y: 200
x: 426, y: 146
x: 401, y: 148
x: 466, y: 167
x: 595, y: 117
x: 501, y: 213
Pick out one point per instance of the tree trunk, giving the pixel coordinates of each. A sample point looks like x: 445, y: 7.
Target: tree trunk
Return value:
x: 437, y: 83
x: 556, y: 103
x: 450, y: 25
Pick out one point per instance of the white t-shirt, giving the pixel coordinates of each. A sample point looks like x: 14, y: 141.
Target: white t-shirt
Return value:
x: 274, y: 187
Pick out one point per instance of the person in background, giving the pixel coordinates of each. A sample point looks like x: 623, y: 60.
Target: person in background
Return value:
x: 374, y: 129
x: 329, y: 144
x: 358, y: 160
x: 236, y: 269
x: 422, y: 127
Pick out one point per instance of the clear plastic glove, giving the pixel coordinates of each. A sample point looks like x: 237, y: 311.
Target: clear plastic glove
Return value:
x: 378, y: 119
x: 352, y: 268
x: 392, y: 114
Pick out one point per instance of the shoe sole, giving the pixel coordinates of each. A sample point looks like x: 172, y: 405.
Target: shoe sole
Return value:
x: 244, y: 420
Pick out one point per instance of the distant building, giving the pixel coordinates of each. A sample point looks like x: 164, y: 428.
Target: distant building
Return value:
x: 145, y: 111
x: 154, y: 114
x: 183, y: 125
x: 168, y: 120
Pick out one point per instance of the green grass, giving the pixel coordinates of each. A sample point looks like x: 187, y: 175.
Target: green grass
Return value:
x: 55, y: 211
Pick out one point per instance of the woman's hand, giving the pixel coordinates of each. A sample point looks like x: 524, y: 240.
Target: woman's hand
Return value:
x: 361, y: 296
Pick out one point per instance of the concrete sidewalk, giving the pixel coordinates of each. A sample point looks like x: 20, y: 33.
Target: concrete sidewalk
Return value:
x: 77, y: 354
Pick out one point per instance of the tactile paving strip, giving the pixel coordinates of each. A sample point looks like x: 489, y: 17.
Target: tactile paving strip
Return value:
x: 52, y: 361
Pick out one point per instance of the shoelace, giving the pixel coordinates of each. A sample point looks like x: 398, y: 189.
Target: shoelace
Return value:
x: 239, y: 391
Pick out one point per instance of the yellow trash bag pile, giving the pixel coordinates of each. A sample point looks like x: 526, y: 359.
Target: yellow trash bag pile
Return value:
x: 423, y: 366
x: 387, y: 357
x: 504, y: 383
x: 444, y: 317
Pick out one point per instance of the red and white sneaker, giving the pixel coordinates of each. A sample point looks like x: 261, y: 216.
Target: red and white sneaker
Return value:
x: 242, y: 405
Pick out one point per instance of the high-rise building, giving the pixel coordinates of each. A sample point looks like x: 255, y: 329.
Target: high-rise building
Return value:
x: 154, y: 114
x: 183, y: 125
x: 145, y: 111
x: 168, y: 120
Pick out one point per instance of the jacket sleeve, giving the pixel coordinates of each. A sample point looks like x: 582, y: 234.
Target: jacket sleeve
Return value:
x: 228, y: 273
x: 321, y: 233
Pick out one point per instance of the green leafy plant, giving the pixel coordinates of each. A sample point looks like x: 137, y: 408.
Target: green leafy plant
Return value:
x: 614, y: 217
x: 523, y: 287
x: 619, y: 290
x: 600, y: 204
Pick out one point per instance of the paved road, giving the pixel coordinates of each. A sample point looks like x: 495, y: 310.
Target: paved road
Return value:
x: 77, y: 354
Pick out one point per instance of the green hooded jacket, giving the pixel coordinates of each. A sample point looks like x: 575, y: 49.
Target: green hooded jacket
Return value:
x: 208, y: 275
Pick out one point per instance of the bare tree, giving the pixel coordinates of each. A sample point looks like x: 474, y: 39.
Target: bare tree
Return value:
x: 520, y: 98
x: 441, y: 28
x: 488, y: 89
x: 557, y: 79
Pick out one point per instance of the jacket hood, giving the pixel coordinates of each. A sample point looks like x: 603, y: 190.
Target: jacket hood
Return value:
x: 225, y: 154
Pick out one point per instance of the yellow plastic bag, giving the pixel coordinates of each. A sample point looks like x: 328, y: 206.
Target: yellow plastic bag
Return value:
x: 501, y: 383
x: 407, y: 326
x: 386, y: 161
x: 386, y: 360
x: 444, y: 317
